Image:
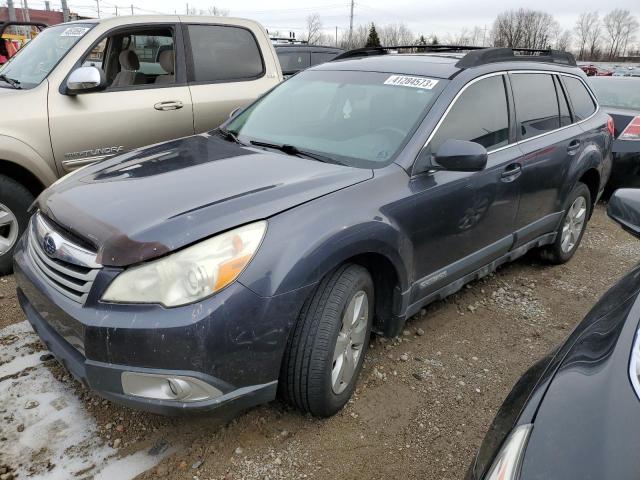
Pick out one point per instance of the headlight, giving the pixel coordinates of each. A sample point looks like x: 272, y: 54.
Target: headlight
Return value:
x: 506, y: 465
x: 190, y: 274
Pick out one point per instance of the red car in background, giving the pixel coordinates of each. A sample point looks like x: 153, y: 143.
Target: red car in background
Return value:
x: 594, y: 71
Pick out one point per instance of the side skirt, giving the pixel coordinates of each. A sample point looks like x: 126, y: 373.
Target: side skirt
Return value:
x: 396, y: 324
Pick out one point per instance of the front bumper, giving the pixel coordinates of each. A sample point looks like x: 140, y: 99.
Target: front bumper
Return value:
x: 233, y: 341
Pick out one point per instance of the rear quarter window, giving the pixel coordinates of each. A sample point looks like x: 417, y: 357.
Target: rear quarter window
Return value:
x: 583, y: 105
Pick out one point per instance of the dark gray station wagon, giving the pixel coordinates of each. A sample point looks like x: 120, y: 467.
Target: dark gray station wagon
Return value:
x: 223, y: 268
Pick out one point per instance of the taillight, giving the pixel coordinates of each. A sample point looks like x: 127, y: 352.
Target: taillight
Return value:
x: 611, y: 126
x: 632, y: 132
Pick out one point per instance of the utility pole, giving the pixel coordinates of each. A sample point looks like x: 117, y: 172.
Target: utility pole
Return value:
x: 336, y: 35
x: 132, y: 9
x: 351, y: 25
x: 484, y: 36
x: 25, y: 12
x: 12, y: 11
x: 116, y: 10
x: 187, y: 9
x: 98, y: 4
x: 65, y: 11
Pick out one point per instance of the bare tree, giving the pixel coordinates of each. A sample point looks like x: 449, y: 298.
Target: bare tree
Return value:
x: 620, y: 26
x: 587, y: 23
x: 313, y: 29
x: 593, y: 36
x: 396, y: 34
x: 524, y: 28
x: 212, y: 10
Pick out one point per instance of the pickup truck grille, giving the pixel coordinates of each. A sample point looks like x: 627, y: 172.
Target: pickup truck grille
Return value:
x: 67, y: 267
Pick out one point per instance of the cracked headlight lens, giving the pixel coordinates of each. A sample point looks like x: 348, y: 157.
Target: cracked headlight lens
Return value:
x: 191, y: 274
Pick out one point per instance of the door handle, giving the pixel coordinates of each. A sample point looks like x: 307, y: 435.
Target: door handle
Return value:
x: 511, y: 172
x: 169, y: 105
x: 573, y: 146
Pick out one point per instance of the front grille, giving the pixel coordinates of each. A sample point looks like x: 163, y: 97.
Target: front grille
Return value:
x: 66, y: 266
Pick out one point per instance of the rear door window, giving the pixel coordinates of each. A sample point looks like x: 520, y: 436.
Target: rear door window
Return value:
x: 224, y: 53
x: 536, y: 103
x: 583, y: 105
x: 479, y: 115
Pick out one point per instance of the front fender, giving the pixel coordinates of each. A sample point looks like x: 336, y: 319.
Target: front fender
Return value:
x: 16, y: 151
x: 305, y: 243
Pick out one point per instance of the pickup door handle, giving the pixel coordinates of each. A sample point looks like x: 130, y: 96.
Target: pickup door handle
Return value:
x: 573, y: 146
x: 169, y: 105
x: 511, y: 172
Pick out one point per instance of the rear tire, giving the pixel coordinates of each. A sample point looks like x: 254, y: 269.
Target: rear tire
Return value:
x: 326, y: 347
x: 572, y: 227
x: 15, y: 199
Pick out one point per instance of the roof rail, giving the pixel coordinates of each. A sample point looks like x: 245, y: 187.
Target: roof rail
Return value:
x: 504, y: 54
x: 373, y: 51
x: 287, y: 40
x: 475, y: 56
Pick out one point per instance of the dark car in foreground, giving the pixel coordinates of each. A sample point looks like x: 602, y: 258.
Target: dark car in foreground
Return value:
x: 576, y: 413
x: 226, y: 267
x: 620, y: 98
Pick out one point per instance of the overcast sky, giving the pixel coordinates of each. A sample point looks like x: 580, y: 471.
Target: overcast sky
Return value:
x: 427, y: 18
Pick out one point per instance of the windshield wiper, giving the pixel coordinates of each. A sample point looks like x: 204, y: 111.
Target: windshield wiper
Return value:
x: 229, y: 135
x: 293, y: 150
x: 11, y: 81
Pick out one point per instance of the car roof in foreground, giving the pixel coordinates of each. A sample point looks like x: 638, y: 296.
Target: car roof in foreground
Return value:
x: 444, y: 66
x: 408, y: 64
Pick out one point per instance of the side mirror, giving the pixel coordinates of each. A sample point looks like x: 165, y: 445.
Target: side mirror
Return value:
x: 461, y: 156
x: 86, y: 80
x: 624, y: 208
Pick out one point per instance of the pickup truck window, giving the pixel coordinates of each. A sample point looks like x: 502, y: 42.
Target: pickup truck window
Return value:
x: 223, y: 53
x: 360, y: 119
x: 136, y: 57
x: 37, y: 58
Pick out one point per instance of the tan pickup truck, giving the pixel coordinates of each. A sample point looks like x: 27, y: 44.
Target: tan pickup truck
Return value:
x: 86, y: 90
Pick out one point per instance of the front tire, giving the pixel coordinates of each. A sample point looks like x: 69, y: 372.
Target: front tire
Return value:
x: 572, y: 227
x: 326, y: 348
x: 15, y: 199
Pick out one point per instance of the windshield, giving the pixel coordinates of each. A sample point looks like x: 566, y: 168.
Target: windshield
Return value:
x: 360, y: 119
x: 37, y: 58
x: 617, y: 92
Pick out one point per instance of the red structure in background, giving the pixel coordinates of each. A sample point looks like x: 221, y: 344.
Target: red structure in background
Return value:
x: 49, y: 17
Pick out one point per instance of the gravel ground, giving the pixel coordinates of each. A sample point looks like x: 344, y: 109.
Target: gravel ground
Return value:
x: 424, y: 401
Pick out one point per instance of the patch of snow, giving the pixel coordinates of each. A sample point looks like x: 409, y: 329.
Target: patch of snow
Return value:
x: 58, y: 438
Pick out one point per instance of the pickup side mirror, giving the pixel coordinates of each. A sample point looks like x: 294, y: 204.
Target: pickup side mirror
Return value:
x: 461, y: 156
x: 86, y: 80
x: 624, y: 208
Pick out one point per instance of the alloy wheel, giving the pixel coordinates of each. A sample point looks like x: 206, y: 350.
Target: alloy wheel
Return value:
x: 573, y: 224
x: 350, y: 342
x: 8, y: 229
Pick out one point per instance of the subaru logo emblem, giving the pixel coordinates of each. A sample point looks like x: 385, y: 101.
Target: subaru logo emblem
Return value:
x: 49, y: 245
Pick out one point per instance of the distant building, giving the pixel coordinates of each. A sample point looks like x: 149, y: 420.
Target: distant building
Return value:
x: 48, y: 17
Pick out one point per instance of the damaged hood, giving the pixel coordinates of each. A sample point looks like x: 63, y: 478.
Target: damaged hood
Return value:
x: 141, y: 205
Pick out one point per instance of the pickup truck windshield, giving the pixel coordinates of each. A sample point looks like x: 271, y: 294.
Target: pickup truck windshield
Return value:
x: 37, y: 58
x: 361, y: 119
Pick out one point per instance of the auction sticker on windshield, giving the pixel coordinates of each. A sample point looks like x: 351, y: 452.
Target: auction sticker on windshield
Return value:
x: 74, y: 32
x: 407, y: 81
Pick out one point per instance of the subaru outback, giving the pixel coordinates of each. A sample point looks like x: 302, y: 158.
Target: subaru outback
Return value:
x: 226, y: 268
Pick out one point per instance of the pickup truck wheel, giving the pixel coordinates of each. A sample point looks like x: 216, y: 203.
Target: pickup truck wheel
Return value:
x: 326, y: 348
x: 14, y: 202
x: 572, y: 227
